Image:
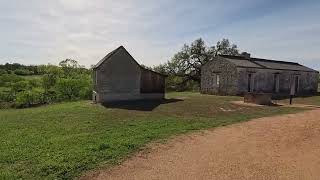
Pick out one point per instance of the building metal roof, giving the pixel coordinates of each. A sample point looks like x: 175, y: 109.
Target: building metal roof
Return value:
x: 114, y: 52
x: 245, y: 62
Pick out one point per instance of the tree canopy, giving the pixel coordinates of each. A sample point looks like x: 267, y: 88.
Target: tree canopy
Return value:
x: 187, y: 63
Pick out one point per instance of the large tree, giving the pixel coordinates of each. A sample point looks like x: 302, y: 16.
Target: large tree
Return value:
x: 188, y: 61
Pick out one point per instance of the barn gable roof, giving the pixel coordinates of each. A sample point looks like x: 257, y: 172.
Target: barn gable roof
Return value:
x: 109, y: 55
x: 245, y: 62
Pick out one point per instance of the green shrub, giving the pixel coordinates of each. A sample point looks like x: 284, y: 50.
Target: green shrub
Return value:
x: 50, y: 96
x: 35, y: 82
x: 68, y: 89
x: 6, y: 95
x: 21, y: 86
x: 30, y: 98
x: 73, y: 89
x: 66, y: 82
x: 7, y: 79
x: 2, y: 72
x: 86, y: 93
x: 23, y: 72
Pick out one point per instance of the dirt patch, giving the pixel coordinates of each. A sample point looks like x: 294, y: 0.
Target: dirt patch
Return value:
x: 283, y: 147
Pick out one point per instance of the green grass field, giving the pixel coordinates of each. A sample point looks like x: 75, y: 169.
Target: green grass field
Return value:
x: 63, y: 141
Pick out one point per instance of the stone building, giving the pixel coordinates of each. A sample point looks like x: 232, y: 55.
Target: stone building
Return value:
x: 236, y: 75
x: 118, y: 77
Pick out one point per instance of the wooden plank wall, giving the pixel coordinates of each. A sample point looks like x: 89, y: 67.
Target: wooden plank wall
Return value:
x: 152, y: 82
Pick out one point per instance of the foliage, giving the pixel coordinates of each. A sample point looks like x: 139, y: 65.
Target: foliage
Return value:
x: 7, y: 79
x: 186, y: 64
x: 19, y: 69
x: 66, y: 82
x: 23, y: 72
x: 6, y: 95
x: 69, y: 88
x: 21, y: 86
x: 63, y: 141
x: 30, y: 97
x: 2, y: 72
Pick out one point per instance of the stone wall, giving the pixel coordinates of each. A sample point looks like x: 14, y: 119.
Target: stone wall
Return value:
x: 263, y: 81
x: 234, y: 80
x: 227, y: 73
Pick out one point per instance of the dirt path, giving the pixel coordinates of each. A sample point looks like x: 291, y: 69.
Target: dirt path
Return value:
x: 283, y: 147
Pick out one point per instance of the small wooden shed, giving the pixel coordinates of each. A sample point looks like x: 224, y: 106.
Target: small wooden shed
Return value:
x: 119, y: 77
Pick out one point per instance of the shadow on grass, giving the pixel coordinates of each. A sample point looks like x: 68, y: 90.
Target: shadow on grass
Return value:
x: 139, y: 105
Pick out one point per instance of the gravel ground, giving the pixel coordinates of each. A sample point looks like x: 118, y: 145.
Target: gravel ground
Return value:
x: 283, y: 147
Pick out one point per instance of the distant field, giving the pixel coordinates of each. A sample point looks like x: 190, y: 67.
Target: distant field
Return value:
x: 62, y: 141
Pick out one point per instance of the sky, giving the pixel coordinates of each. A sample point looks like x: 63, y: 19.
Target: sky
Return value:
x: 42, y: 32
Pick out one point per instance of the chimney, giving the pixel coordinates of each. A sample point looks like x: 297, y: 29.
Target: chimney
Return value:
x: 245, y: 55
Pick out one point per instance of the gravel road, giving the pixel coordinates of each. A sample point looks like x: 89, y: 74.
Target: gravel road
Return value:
x: 282, y: 147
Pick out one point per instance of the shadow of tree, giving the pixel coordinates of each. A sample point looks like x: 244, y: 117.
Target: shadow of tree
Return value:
x: 139, y: 105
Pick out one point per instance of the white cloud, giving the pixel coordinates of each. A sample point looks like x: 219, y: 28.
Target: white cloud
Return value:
x: 40, y: 32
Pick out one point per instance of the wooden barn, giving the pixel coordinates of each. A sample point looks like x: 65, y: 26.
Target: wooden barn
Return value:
x: 119, y: 77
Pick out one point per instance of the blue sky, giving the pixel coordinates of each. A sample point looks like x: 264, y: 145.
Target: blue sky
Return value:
x: 42, y: 32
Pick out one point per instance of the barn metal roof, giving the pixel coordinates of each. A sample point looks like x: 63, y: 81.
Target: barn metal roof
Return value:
x: 241, y: 61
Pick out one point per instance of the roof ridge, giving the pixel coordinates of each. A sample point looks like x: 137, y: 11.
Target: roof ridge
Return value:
x: 233, y: 57
x: 116, y: 50
x: 239, y: 57
x: 276, y: 61
x: 107, y: 56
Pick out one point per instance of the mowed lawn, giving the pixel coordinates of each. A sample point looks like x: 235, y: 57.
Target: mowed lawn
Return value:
x: 63, y: 141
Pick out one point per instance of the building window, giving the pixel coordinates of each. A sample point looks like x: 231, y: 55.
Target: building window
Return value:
x: 218, y: 79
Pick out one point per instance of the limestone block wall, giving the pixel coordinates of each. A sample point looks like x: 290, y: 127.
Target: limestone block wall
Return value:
x: 219, y: 77
x: 264, y: 81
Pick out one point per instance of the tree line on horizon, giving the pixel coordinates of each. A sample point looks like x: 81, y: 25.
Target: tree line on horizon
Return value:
x: 70, y: 81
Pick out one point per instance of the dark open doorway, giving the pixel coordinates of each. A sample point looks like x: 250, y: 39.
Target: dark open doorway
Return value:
x: 249, y: 82
x: 296, y: 84
x: 276, y: 83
